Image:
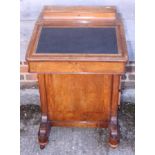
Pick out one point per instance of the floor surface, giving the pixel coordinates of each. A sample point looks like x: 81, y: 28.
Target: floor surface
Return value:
x: 75, y: 141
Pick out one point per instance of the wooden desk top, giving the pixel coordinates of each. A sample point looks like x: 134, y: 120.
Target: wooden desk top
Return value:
x: 78, y: 34
x: 78, y: 40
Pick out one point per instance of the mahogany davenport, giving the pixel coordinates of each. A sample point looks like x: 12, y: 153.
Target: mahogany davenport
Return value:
x: 79, y: 54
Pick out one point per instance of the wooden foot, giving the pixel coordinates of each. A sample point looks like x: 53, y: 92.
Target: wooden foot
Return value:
x: 114, y: 132
x: 44, y: 131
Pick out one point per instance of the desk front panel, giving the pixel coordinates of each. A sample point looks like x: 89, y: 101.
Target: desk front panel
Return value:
x: 78, y: 97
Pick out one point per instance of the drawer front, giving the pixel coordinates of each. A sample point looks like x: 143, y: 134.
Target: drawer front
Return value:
x: 77, y: 67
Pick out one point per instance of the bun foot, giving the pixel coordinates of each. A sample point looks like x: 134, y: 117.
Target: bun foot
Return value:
x: 42, y: 147
x: 44, y: 131
x: 113, y: 143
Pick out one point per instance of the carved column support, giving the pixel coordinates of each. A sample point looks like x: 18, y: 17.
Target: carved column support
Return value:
x: 114, y: 134
x: 44, y: 131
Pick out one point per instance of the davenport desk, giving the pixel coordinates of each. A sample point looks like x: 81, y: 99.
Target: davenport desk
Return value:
x: 79, y: 54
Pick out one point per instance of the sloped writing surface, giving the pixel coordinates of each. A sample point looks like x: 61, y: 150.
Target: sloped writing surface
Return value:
x: 77, y: 41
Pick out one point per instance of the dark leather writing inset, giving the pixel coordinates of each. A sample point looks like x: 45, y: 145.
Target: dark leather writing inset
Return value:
x: 78, y: 40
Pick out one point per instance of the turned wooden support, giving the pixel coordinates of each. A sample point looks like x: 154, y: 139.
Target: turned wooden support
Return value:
x: 114, y: 134
x: 44, y: 131
x: 113, y: 124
